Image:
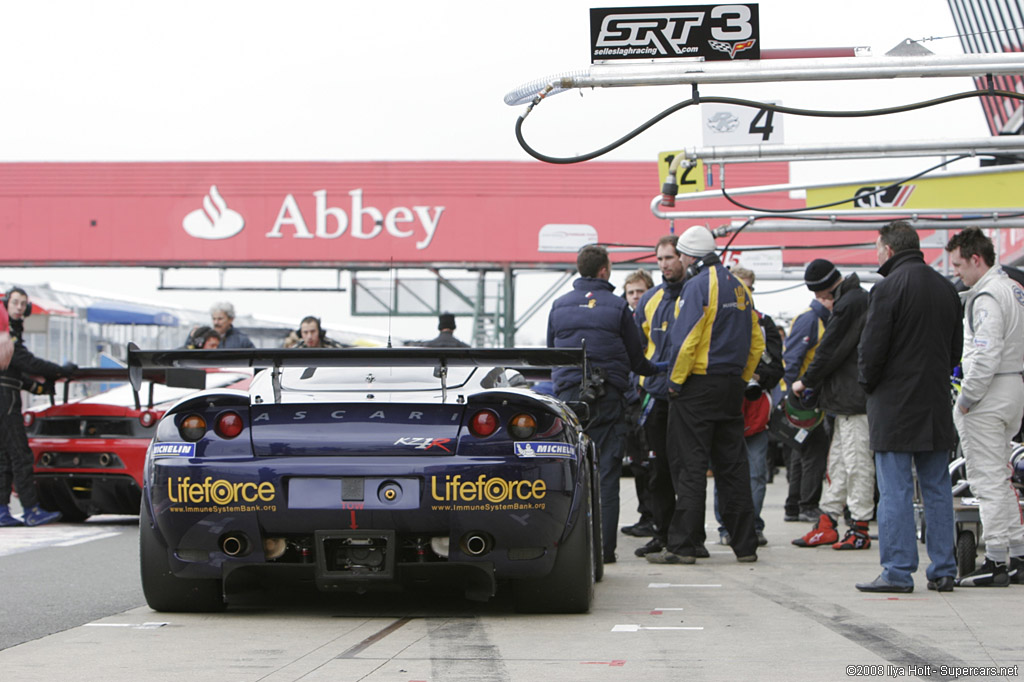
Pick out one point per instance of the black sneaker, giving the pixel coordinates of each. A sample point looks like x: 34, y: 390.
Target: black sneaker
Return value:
x: 639, y: 530
x: 653, y: 545
x: 943, y: 584
x: 1016, y: 570
x: 991, y: 574
x: 702, y: 552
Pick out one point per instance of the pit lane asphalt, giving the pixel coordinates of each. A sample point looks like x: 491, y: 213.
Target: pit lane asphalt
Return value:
x: 794, y: 615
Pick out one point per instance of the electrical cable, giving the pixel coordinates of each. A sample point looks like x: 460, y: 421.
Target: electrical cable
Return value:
x: 937, y: 166
x: 752, y: 104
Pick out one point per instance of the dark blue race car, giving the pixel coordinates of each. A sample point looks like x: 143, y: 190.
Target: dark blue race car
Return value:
x: 365, y: 469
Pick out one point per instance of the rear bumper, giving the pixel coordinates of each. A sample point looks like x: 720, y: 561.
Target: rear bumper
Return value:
x: 495, y: 518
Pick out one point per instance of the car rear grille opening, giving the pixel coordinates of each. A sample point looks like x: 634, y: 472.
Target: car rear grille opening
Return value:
x: 87, y: 427
x: 80, y: 460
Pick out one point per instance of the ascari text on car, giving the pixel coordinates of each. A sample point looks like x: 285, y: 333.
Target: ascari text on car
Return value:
x: 364, y: 469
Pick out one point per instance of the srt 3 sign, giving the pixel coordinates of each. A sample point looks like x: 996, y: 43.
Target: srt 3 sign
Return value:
x: 713, y: 32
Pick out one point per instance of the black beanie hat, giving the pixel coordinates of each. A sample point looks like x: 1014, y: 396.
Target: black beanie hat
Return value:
x: 446, y: 321
x: 820, y: 275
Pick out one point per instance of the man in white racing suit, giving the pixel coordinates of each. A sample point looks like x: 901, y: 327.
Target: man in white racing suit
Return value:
x: 991, y: 403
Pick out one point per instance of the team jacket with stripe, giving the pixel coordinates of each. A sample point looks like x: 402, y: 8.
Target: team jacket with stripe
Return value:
x: 591, y: 313
x: 804, y: 335
x: 716, y: 330
x: 655, y: 314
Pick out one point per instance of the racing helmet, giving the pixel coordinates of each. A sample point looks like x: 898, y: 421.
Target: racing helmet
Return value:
x: 801, y: 414
x: 1017, y: 465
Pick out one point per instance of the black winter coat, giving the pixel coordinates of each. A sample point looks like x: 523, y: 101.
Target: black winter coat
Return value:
x: 833, y: 371
x: 912, y: 339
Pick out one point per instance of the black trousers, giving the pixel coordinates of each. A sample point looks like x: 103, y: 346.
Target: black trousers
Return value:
x: 16, y: 458
x: 661, y: 486
x: 706, y: 425
x: 805, y: 470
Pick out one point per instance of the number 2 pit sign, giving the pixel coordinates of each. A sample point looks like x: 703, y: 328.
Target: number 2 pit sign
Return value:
x: 689, y: 178
x: 727, y: 125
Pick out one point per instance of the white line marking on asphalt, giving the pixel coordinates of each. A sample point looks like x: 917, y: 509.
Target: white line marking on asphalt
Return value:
x: 136, y: 626
x: 82, y: 541
x: 660, y: 586
x: 637, y: 628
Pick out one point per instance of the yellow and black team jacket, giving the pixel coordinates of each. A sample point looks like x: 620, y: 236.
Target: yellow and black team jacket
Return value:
x: 655, y: 314
x: 716, y: 330
x: 804, y: 336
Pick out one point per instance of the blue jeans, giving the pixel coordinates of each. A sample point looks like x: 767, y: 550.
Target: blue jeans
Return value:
x: 757, y: 456
x: 897, y: 532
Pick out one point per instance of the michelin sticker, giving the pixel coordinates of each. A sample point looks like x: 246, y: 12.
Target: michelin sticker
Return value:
x: 544, y: 450
x: 174, y: 450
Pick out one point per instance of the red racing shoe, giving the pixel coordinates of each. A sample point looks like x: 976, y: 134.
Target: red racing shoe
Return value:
x: 856, y: 537
x: 823, y: 533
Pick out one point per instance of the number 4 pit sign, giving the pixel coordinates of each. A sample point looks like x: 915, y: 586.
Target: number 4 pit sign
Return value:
x: 726, y: 125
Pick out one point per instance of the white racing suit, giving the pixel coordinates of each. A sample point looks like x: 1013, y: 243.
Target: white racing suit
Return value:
x: 993, y: 393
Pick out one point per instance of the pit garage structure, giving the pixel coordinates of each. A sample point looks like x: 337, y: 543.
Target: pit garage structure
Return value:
x: 850, y: 212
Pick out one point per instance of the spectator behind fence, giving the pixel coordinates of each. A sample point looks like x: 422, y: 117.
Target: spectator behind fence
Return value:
x: 222, y: 315
x: 205, y: 338
x: 446, y: 336
x: 313, y: 335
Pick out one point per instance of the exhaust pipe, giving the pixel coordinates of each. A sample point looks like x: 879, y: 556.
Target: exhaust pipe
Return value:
x: 105, y: 459
x: 46, y: 459
x: 476, y: 544
x: 236, y: 544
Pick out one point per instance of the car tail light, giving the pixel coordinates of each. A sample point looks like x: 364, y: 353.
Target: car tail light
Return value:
x: 29, y: 419
x: 192, y: 427
x: 522, y: 426
x: 229, y: 425
x: 483, y: 423
x: 147, y: 418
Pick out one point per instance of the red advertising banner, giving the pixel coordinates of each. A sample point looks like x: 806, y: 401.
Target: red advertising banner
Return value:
x: 288, y: 214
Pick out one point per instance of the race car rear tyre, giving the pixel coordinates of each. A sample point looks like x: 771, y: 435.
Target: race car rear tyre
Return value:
x: 164, y: 591
x: 595, y: 507
x: 56, y: 496
x: 569, y: 588
x: 966, y: 552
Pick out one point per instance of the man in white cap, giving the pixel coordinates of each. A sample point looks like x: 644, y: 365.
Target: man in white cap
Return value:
x: 717, y: 343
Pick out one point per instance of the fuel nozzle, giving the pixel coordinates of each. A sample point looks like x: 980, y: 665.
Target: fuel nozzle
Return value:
x: 669, y: 189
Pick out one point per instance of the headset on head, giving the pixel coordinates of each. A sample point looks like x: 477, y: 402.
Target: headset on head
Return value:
x: 319, y: 327
x: 694, y: 268
x: 19, y: 290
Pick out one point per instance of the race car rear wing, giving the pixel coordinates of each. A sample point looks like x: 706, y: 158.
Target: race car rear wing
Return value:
x: 275, y: 359
x: 171, y: 376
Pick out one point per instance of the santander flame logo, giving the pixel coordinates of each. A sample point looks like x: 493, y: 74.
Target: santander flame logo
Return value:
x: 214, y: 220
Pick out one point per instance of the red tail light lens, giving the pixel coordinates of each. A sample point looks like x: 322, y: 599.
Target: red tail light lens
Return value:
x: 147, y: 419
x: 483, y: 423
x: 192, y: 428
x: 229, y: 425
x: 29, y: 419
x: 522, y: 426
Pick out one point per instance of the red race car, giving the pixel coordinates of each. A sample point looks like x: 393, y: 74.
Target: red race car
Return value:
x: 89, y: 453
